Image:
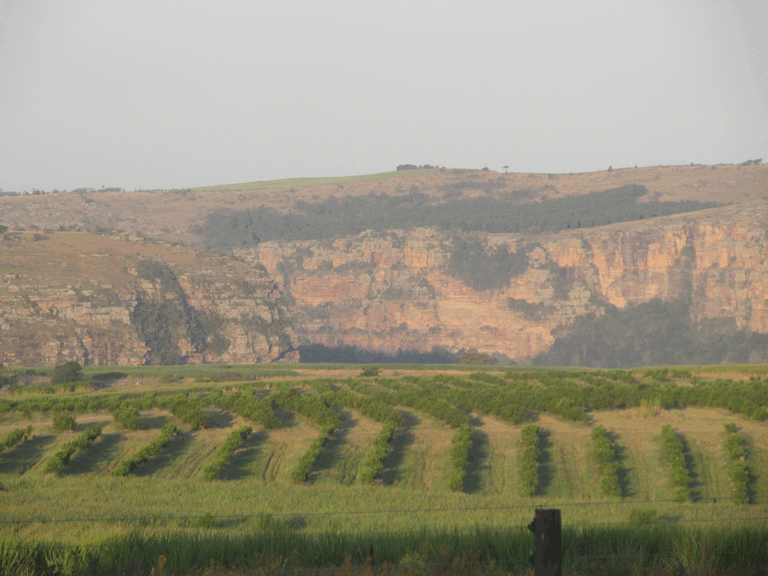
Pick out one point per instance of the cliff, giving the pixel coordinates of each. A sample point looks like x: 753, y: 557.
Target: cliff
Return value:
x: 93, y: 299
x: 397, y: 290
x: 99, y: 299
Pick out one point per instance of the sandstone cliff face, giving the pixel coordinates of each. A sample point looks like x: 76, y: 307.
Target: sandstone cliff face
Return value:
x: 73, y: 296
x: 393, y: 290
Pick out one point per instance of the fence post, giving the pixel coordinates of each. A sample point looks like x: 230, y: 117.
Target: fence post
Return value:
x: 703, y: 555
x: 547, y: 531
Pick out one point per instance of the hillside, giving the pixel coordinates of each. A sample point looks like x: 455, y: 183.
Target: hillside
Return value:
x: 125, y: 301
x: 432, y: 262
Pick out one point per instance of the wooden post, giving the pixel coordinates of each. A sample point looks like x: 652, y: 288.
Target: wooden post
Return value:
x: 547, y: 530
x: 704, y: 555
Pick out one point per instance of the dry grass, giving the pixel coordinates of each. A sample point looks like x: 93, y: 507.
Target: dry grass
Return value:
x: 169, y: 214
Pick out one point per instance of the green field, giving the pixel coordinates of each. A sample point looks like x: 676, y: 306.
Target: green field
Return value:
x: 306, y: 182
x: 62, y: 523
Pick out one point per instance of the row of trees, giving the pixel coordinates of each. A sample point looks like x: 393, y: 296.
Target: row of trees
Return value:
x: 62, y: 457
x: 738, y: 473
x: 606, y: 462
x: 225, y: 452
x: 529, y: 462
x: 128, y: 465
x: 674, y: 454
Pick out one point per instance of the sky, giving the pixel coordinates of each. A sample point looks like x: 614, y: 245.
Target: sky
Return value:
x: 171, y: 94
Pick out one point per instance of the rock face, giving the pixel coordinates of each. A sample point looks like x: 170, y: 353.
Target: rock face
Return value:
x: 74, y: 296
x: 396, y: 290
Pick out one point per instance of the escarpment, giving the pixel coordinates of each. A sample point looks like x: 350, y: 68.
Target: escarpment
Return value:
x: 409, y: 290
x: 105, y: 301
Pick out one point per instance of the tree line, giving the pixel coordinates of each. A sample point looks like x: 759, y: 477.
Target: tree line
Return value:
x: 507, y: 213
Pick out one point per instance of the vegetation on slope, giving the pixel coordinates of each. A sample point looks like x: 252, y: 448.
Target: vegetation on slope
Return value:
x: 162, y: 323
x: 513, y: 212
x: 655, y: 333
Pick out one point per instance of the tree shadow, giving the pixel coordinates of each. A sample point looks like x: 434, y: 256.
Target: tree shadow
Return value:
x: 403, y: 438
x: 24, y: 455
x: 167, y: 457
x: 87, y: 461
x: 623, y: 471
x: 546, y: 463
x: 694, y: 486
x: 238, y: 465
x: 478, y: 456
x: 154, y: 421
x: 332, y: 453
x: 219, y: 418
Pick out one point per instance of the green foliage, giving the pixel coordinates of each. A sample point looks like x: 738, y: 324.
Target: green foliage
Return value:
x: 679, y: 476
x: 652, y: 333
x: 225, y: 452
x: 128, y: 416
x: 460, y: 445
x: 302, y: 470
x: 62, y: 457
x: 528, y: 309
x: 478, y: 359
x: 245, y: 403
x: 373, y: 463
x: 14, y: 437
x: 369, y: 372
x: 482, y: 269
x: 529, y: 462
x: 68, y: 372
x: 317, y: 410
x: 161, y: 324
x: 738, y: 473
x: 186, y: 409
x: 607, y: 466
x: 641, y: 516
x: 730, y: 427
x: 64, y: 421
x: 511, y: 212
x: 128, y: 465
x: 207, y: 521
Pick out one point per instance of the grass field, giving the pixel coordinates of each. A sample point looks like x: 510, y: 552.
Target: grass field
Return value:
x: 167, y: 499
x: 305, y: 182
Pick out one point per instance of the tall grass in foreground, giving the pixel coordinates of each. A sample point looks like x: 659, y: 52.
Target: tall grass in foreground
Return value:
x: 593, y: 550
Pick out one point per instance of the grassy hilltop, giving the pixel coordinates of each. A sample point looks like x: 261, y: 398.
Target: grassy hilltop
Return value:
x: 334, y: 453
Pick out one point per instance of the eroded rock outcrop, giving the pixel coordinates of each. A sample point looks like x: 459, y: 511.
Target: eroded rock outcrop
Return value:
x: 397, y: 290
x: 76, y: 296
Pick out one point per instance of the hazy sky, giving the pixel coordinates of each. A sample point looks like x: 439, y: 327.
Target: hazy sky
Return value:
x: 166, y: 93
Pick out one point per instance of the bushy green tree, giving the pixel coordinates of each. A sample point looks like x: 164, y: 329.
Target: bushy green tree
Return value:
x: 68, y: 372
